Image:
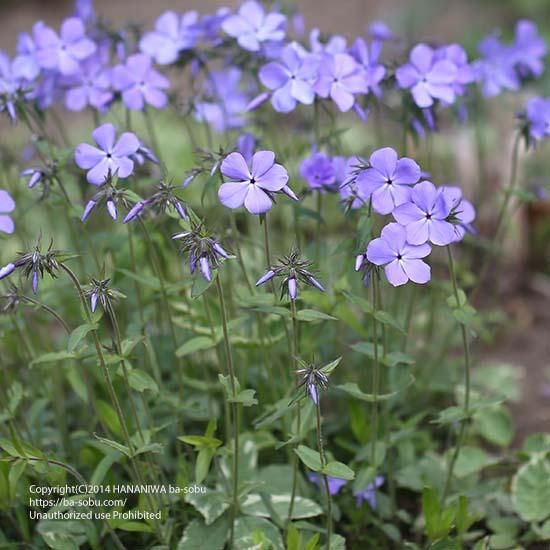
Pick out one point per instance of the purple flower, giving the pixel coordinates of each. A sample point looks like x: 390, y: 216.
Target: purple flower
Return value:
x: 340, y: 77
x: 173, y: 34
x: 246, y: 145
x: 63, y: 52
x: 388, y: 179
x: 252, y: 185
x: 368, y: 59
x: 7, y: 205
x: 495, y: 70
x: 112, y: 158
x: 140, y: 83
x: 319, y: 172
x: 464, y: 71
x: 227, y: 102
x: 334, y: 483
x: 90, y: 86
x: 369, y: 494
x: 402, y: 261
x: 291, y: 79
x: 425, y: 217
x: 335, y: 44
x: 84, y: 9
x: 26, y: 64
x: 252, y: 26
x: 427, y: 77
x: 537, y: 114
x: 462, y: 212
x: 529, y: 49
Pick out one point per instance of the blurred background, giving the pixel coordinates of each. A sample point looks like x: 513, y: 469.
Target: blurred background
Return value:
x: 524, y: 287
x: 464, y: 20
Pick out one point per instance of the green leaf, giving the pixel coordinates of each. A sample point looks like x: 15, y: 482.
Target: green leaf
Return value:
x: 254, y: 505
x: 201, y: 285
x: 450, y: 415
x: 339, y: 470
x: 244, y: 397
x: 531, y: 489
x: 201, y: 441
x: 78, y: 334
x: 114, y: 445
x: 311, y: 458
x: 495, y: 425
x: 142, y: 381
x: 353, y: 389
x: 202, y: 465
x: 54, y: 357
x: 199, y: 343
x: 327, y: 369
x: 146, y: 280
x: 253, y: 533
x: 131, y: 526
x: 211, y: 505
x: 311, y: 315
x: 198, y: 536
x: 471, y: 460
x: 438, y: 521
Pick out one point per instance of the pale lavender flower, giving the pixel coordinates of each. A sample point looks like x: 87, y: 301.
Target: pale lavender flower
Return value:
x: 368, y: 56
x: 425, y: 216
x: 173, y: 34
x: 25, y: 63
x: 427, y: 77
x: 225, y: 103
x: 89, y: 87
x: 111, y: 158
x: 340, y: 78
x: 378, y: 30
x: 465, y: 75
x: 402, y: 261
x: 495, y: 70
x: 140, y: 84
x: 291, y: 79
x: 7, y: 206
x: 252, y: 27
x: 252, y: 185
x: 335, y: 44
x: 35, y: 175
x: 63, y: 52
x: 387, y: 180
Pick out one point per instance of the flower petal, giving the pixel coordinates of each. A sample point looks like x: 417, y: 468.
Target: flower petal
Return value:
x: 104, y: 136
x: 417, y: 271
x: 232, y: 194
x: 234, y: 167
x: 86, y: 156
x: 257, y: 201
x: 395, y: 273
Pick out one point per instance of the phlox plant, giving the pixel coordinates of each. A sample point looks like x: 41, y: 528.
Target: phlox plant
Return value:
x: 244, y: 286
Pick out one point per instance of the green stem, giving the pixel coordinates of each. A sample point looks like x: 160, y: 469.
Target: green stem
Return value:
x: 51, y: 311
x: 502, y: 222
x: 466, y: 348
x: 298, y: 411
x: 235, y: 411
x: 325, y: 478
x: 375, y: 373
x: 110, y: 388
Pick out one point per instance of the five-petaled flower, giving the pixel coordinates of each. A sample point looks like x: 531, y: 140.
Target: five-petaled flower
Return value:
x: 111, y: 158
x: 428, y: 77
x: 66, y: 51
x: 402, y: 261
x: 252, y: 27
x: 252, y: 184
x: 140, y: 83
x: 425, y: 216
x: 387, y: 180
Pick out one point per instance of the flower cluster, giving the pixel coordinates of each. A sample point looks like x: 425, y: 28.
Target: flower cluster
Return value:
x: 202, y: 249
x: 7, y: 206
x: 424, y: 215
x: 537, y: 119
x: 293, y: 269
x: 335, y: 485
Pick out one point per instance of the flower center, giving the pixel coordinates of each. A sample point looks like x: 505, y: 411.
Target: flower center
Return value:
x: 399, y: 257
x: 428, y: 216
x: 252, y: 181
x: 109, y: 155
